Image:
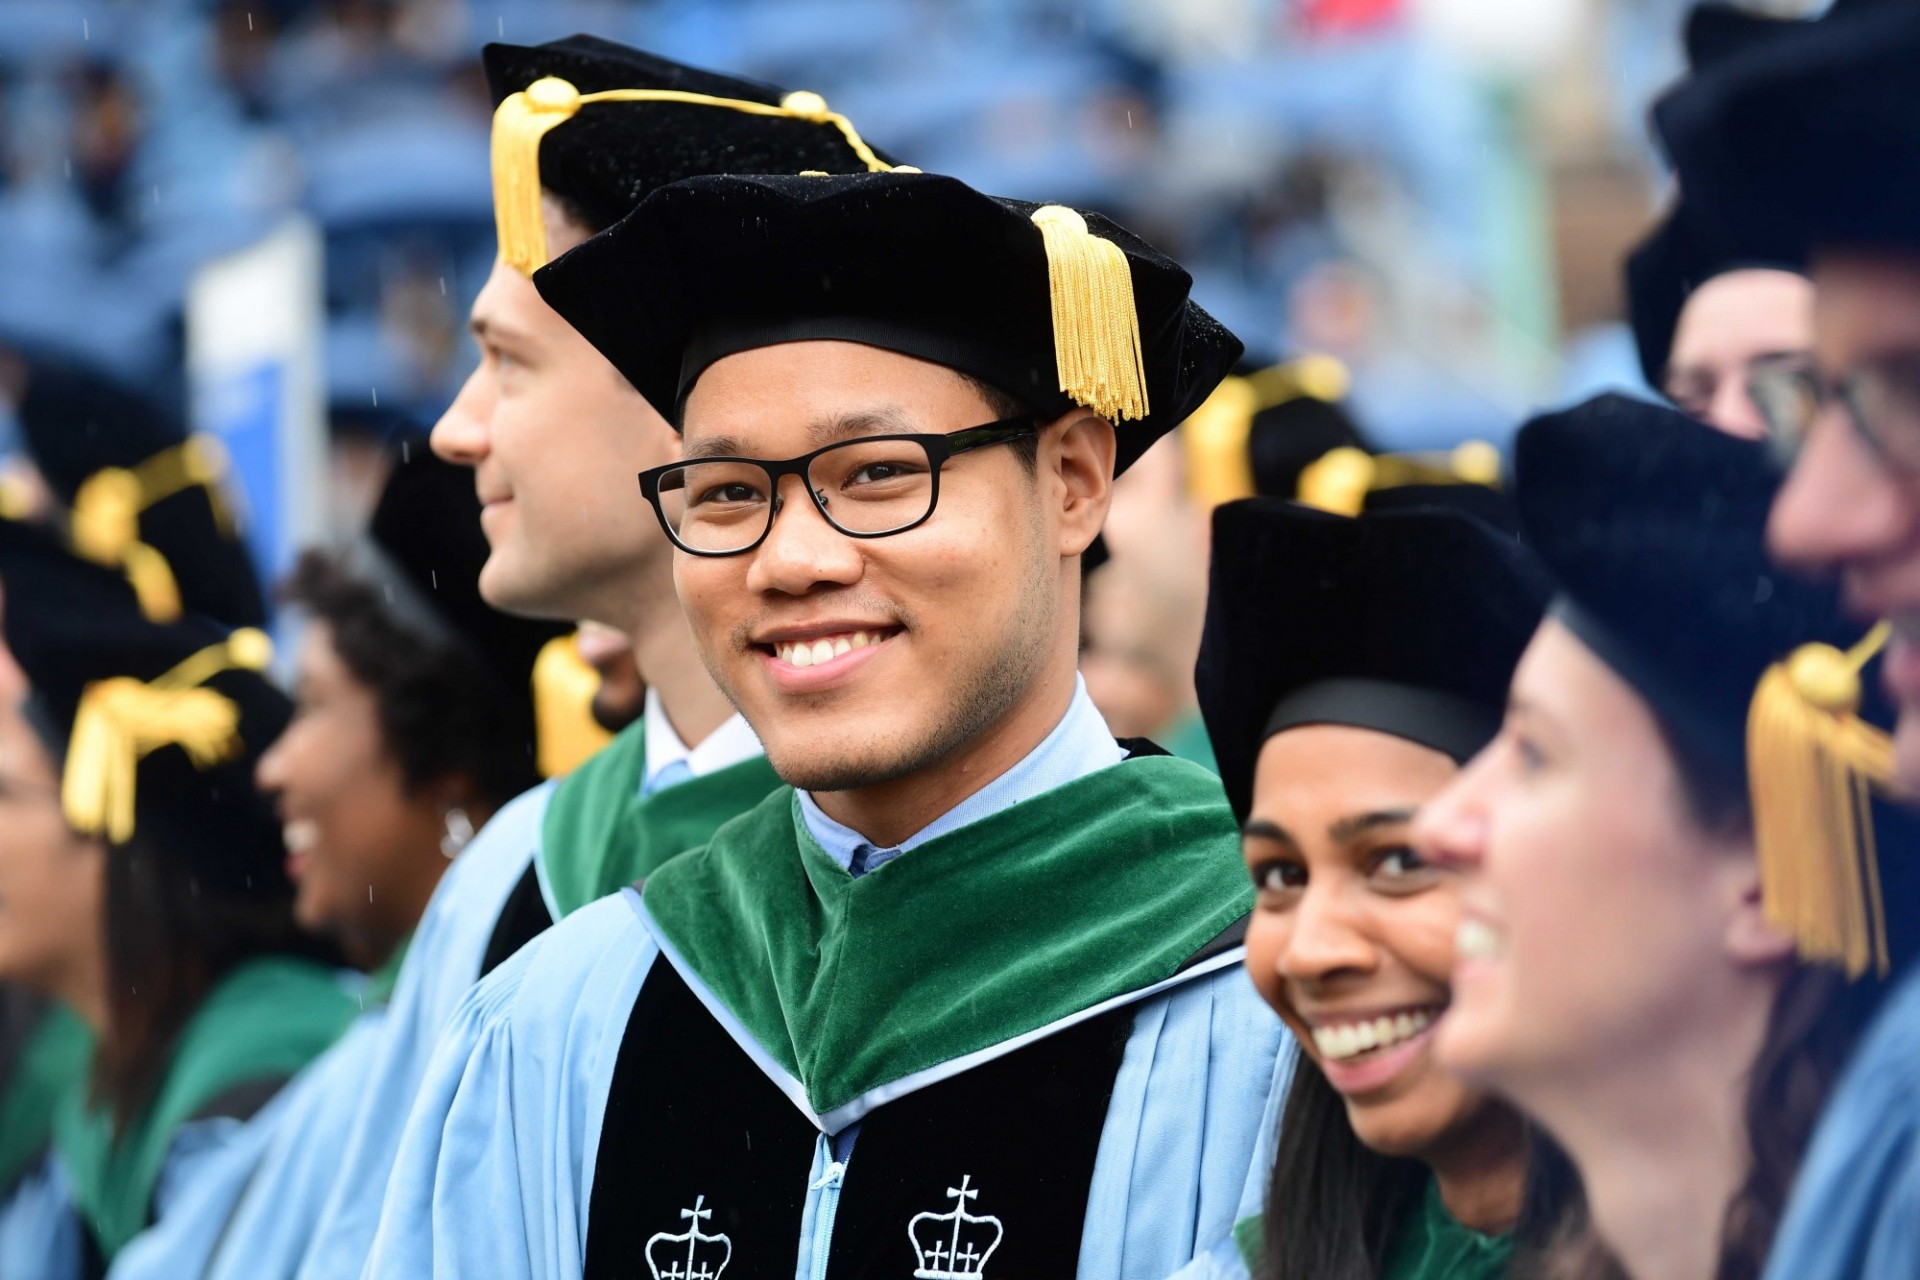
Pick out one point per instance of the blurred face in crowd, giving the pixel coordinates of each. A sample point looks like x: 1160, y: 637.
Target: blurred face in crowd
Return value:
x: 1729, y: 324
x: 1847, y: 506
x: 622, y: 694
x: 52, y: 881
x: 555, y: 437
x: 1603, y: 924
x: 363, y: 850
x: 939, y: 646
x: 1351, y: 938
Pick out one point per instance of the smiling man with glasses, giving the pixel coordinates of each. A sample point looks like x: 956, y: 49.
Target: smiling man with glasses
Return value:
x: 957, y: 1000
x: 1809, y: 151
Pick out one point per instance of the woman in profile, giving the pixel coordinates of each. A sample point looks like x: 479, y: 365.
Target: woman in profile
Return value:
x: 132, y: 819
x: 1645, y: 967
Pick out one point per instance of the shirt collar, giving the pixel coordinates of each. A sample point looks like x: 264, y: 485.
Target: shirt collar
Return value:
x: 730, y: 744
x: 1079, y: 745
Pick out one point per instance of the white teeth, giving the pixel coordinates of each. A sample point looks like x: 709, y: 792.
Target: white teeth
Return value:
x: 1477, y: 940
x: 811, y: 653
x: 1351, y: 1039
x: 300, y: 836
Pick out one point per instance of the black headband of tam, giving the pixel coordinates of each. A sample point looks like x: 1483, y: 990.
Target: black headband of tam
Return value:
x: 1019, y: 378
x: 1456, y: 727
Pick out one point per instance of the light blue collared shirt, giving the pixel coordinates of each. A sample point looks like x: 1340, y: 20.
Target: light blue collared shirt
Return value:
x: 1079, y: 745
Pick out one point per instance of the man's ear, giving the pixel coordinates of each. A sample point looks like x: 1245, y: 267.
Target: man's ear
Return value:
x: 1081, y: 462
x: 1751, y: 941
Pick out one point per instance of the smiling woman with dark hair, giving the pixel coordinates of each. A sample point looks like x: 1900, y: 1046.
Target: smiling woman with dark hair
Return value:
x: 1349, y: 667
x: 414, y: 711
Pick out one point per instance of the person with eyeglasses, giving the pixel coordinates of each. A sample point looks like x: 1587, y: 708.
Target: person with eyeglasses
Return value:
x: 1809, y: 150
x: 963, y: 997
x: 552, y: 434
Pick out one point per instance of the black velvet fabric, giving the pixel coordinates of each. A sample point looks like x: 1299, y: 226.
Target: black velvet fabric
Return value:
x: 77, y: 420
x: 693, y: 1126
x: 1807, y: 140
x: 70, y: 623
x: 1653, y: 527
x: 920, y: 263
x: 1426, y: 599
x: 523, y: 918
x: 427, y: 527
x: 607, y: 158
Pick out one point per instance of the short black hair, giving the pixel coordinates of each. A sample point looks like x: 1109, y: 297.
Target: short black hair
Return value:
x: 442, y: 712
x: 1003, y: 405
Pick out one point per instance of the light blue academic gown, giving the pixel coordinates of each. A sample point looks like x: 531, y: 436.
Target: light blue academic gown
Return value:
x: 1855, y: 1209
x: 367, y: 1104
x: 39, y: 1230
x: 495, y: 1173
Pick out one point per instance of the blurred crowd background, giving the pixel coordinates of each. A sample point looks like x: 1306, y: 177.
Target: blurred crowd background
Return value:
x: 1436, y: 192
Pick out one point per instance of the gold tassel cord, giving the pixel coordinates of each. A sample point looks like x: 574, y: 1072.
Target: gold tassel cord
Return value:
x: 1096, y: 329
x: 1215, y: 441
x: 119, y: 723
x: 122, y: 720
x: 565, y: 733
x: 1812, y: 765
x: 522, y: 119
x: 104, y: 526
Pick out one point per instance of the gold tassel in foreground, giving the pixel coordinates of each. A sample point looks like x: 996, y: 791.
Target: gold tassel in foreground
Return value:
x: 122, y: 720
x: 1811, y: 764
x: 1096, y: 331
x: 519, y: 122
x: 565, y: 732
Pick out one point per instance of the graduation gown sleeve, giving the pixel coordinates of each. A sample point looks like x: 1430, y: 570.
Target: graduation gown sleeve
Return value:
x: 440, y: 968
x: 1855, y: 1209
x: 495, y: 1169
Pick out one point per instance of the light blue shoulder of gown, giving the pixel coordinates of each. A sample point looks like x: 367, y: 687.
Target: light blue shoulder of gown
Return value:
x: 495, y: 1170
x: 269, y: 1228
x: 1189, y: 1130
x: 1855, y: 1208
x: 440, y: 968
x: 206, y: 1170
x: 39, y: 1230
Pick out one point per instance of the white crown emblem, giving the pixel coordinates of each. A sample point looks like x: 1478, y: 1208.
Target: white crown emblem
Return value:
x: 706, y: 1256
x: 960, y: 1243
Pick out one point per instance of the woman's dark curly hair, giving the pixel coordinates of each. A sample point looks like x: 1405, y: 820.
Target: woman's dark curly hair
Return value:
x: 443, y: 712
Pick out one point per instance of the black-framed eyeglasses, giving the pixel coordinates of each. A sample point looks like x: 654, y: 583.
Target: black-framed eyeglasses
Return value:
x: 1881, y: 401
x: 866, y: 487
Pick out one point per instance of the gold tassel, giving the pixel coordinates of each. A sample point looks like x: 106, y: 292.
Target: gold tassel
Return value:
x: 1096, y: 330
x: 121, y: 721
x: 1215, y: 439
x: 1811, y: 764
x: 104, y: 526
x: 519, y: 122
x: 522, y: 119
x: 565, y: 732
x: 1339, y: 480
